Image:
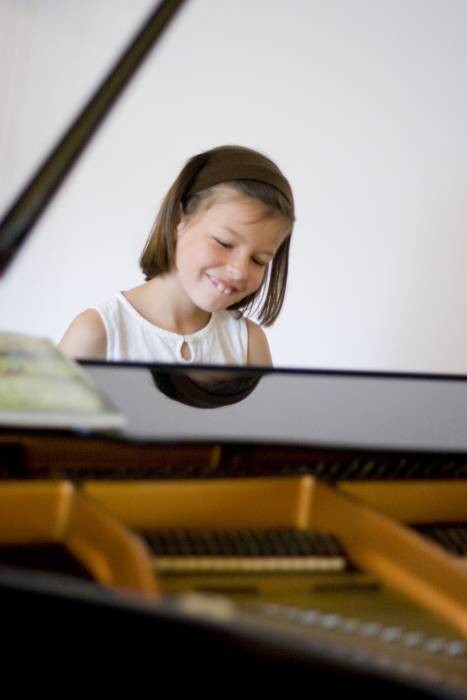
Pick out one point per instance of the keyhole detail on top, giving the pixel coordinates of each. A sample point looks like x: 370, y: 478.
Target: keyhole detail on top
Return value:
x: 185, y: 351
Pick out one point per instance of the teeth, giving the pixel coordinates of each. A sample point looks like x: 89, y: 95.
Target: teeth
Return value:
x: 223, y: 288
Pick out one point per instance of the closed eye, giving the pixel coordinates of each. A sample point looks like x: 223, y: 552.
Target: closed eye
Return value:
x: 224, y: 244
x: 260, y: 263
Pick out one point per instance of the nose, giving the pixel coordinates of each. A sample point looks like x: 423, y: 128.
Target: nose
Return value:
x: 237, y: 269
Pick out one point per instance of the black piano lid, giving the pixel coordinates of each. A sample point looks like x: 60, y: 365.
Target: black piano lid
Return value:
x: 320, y: 408
x: 292, y: 407
x: 31, y: 202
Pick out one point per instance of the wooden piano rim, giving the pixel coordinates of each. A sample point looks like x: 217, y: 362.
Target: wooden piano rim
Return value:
x: 55, y: 512
x: 412, y: 501
x: 394, y: 554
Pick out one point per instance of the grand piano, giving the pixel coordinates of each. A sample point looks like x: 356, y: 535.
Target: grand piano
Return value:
x: 256, y: 525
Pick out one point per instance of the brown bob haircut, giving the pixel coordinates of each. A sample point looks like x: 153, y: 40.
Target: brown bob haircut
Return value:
x: 249, y: 173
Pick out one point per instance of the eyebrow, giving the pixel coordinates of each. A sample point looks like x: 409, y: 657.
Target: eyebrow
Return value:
x: 238, y: 235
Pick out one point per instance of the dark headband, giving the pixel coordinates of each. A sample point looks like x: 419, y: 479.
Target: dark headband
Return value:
x: 225, y: 166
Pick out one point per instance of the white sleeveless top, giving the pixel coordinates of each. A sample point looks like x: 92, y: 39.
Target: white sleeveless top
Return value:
x: 224, y: 340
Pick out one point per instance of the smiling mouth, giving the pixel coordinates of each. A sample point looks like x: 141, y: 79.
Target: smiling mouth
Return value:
x: 222, y: 287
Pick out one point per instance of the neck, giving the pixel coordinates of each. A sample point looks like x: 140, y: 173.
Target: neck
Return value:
x: 162, y: 302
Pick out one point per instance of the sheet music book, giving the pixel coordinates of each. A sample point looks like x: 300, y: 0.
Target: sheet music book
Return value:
x: 40, y: 387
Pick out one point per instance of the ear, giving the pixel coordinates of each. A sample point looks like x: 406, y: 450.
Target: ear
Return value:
x: 181, y: 224
x: 180, y: 229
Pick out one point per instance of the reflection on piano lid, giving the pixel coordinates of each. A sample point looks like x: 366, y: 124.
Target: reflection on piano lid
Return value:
x: 337, y: 426
x: 332, y: 409
x: 201, y: 388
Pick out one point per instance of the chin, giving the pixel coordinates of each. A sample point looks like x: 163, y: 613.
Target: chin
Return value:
x: 215, y: 307
x: 211, y: 305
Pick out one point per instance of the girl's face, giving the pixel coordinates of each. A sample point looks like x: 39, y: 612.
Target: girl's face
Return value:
x: 222, y: 252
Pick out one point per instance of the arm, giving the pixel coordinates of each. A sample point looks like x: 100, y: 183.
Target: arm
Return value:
x: 85, y: 338
x: 258, y: 347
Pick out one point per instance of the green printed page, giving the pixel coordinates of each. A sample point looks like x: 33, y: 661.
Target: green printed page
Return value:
x: 40, y: 386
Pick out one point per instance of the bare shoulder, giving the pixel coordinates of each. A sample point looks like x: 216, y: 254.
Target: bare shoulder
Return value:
x: 258, y: 346
x: 85, y: 337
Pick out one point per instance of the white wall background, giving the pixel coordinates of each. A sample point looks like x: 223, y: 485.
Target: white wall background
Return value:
x: 364, y: 106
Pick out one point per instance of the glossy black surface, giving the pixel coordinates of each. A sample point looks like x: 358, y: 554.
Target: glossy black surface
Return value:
x: 334, y: 409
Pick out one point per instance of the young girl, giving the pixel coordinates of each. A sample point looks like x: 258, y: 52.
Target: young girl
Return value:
x: 217, y: 251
